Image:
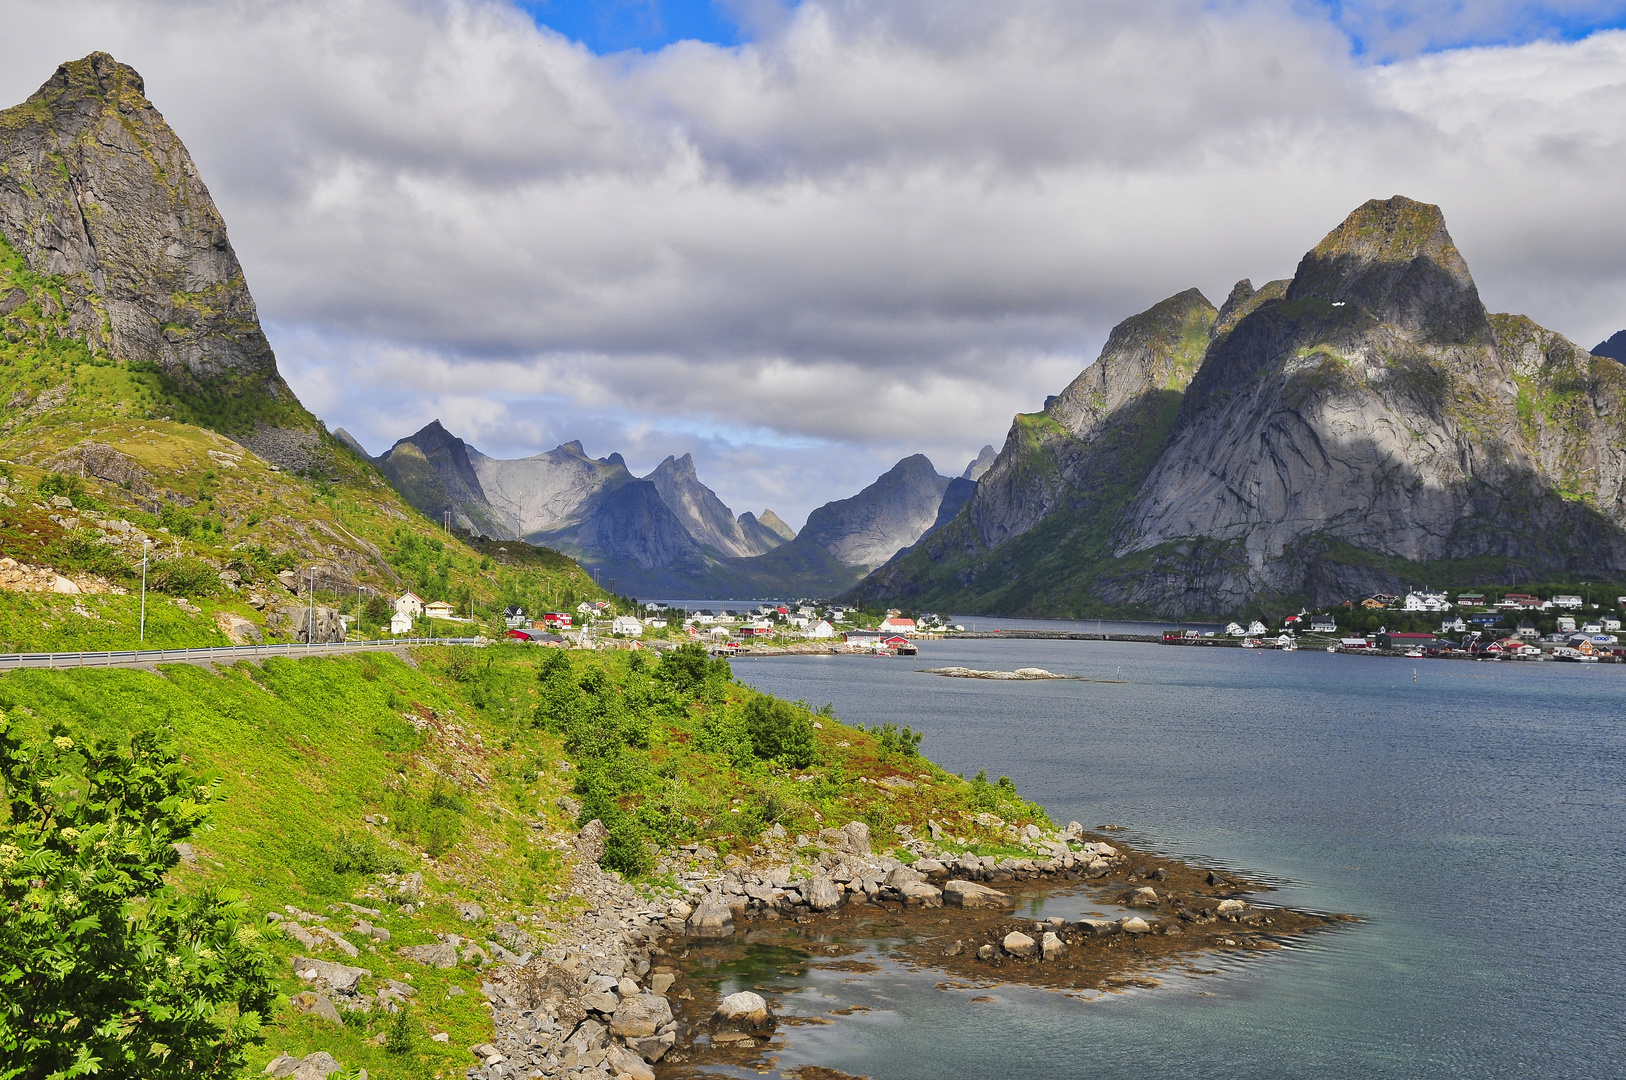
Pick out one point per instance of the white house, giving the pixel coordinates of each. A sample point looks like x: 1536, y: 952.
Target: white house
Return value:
x: 1426, y: 601
x: 895, y: 624
x: 821, y: 629
x: 1323, y: 624
x: 1453, y: 626
x: 409, y: 604
x: 1571, y: 602
x: 1256, y: 629
x: 401, y: 623
x: 1235, y: 629
x: 440, y: 609
x: 1566, y: 624
x: 626, y: 624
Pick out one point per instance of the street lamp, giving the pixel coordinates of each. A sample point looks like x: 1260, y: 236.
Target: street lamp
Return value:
x: 145, y: 544
x: 310, y: 613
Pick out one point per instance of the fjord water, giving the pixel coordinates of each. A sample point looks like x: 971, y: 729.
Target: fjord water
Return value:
x: 1474, y: 818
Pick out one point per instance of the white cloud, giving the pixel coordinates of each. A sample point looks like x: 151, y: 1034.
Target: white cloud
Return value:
x: 880, y: 228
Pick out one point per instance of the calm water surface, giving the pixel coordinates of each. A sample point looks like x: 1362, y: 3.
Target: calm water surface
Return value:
x: 1474, y: 817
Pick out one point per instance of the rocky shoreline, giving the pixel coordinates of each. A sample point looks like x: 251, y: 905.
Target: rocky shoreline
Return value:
x: 610, y: 996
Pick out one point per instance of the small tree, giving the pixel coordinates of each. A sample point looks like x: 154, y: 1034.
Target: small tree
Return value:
x: 104, y: 969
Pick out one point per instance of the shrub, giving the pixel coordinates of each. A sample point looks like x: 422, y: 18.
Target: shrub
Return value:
x: 780, y: 731
x: 360, y: 853
x: 905, y: 743
x: 107, y: 969
x: 402, y: 1034
x: 69, y: 487
x: 84, y: 550
x: 184, y: 575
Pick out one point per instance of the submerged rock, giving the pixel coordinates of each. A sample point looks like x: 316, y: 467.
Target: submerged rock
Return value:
x: 969, y: 894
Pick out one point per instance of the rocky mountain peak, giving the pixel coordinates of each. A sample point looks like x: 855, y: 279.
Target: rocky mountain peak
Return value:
x: 1392, y: 259
x: 979, y: 464
x: 1614, y: 348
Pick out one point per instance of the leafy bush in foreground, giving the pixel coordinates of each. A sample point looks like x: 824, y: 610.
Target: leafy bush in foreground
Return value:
x: 104, y: 969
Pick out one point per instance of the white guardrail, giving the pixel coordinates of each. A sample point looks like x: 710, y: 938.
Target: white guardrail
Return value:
x: 132, y: 657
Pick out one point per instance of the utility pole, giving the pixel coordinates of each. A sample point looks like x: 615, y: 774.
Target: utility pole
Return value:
x: 144, y: 545
x: 310, y: 617
x: 358, y: 611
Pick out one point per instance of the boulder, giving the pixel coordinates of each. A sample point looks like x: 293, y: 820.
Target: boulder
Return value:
x: 282, y: 1065
x: 623, y: 1062
x: 640, y: 1016
x: 654, y: 1047
x: 931, y: 868
x: 1017, y: 943
x: 1098, y: 927
x: 1145, y: 897
x: 317, y: 1005
x: 317, y: 1066
x: 410, y: 887
x: 899, y: 876
x: 858, y: 837
x: 743, y: 1010
x: 338, y: 978
x: 469, y: 911
x: 590, y: 841
x: 440, y: 956
x: 1216, y: 881
x: 968, y: 894
x: 712, y: 919
x: 921, y: 894
x: 661, y: 982
x: 1134, y: 925
x: 822, y: 893
x: 1096, y: 867
x: 1073, y: 829
x: 986, y: 952
x: 1052, y: 946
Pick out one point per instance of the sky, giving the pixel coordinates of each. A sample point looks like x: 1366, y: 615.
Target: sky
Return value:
x: 804, y: 240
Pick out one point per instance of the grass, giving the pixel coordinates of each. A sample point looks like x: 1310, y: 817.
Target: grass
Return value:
x: 305, y: 748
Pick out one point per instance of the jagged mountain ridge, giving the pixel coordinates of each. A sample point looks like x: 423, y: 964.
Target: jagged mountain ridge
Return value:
x: 1364, y: 421
x: 96, y: 188
x: 1614, y: 347
x: 667, y: 533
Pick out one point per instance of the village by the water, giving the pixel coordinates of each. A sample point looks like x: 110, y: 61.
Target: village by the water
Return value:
x: 1567, y: 627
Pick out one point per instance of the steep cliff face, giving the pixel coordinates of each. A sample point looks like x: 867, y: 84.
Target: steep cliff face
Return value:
x: 979, y: 464
x: 766, y: 532
x: 1082, y: 443
x: 434, y: 471
x: 1364, y: 421
x: 703, y: 514
x: 97, y: 189
x: 1379, y: 405
x: 892, y: 513
x: 544, y: 493
x: 631, y: 524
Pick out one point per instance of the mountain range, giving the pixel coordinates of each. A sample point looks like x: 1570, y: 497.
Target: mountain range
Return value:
x: 1364, y: 424
x: 668, y: 534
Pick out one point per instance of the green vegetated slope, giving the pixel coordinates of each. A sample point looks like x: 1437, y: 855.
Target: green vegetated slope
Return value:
x: 462, y: 760
x: 114, y: 439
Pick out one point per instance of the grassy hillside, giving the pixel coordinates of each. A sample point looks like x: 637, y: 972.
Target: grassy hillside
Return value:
x: 125, y: 444
x: 462, y: 761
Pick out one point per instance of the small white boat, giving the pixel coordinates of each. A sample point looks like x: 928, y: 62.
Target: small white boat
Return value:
x: 1414, y: 654
x: 1252, y: 643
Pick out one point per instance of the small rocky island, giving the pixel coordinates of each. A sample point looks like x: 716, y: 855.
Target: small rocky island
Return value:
x: 1020, y: 674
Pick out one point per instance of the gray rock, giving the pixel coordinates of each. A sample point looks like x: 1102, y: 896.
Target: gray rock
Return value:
x: 1134, y: 925
x: 317, y: 1005
x: 624, y: 1062
x: 857, y: 834
x: 743, y: 1010
x: 823, y: 893
x: 661, y: 982
x: 652, y: 1048
x: 900, y: 876
x: 1019, y: 944
x: 440, y: 956
x: 1051, y: 946
x: 1143, y: 897
x: 590, y: 841
x: 712, y: 919
x: 339, y: 978
x: 969, y: 894
x: 640, y: 1016
x: 316, y: 1066
x: 469, y: 911
x: 986, y: 952
x: 282, y: 1065
x: 921, y: 894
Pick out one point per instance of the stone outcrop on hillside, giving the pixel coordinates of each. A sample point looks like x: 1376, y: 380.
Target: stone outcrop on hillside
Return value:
x: 97, y: 188
x: 1304, y: 443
